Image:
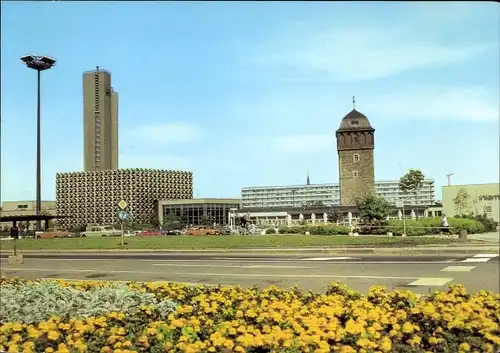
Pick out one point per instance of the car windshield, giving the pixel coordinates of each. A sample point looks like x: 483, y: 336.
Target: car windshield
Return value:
x: 108, y: 228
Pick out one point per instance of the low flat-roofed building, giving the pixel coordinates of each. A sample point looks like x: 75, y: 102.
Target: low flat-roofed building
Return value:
x: 25, y: 208
x: 198, y: 211
x: 477, y: 199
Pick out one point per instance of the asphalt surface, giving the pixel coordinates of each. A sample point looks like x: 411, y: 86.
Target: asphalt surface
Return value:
x: 421, y: 274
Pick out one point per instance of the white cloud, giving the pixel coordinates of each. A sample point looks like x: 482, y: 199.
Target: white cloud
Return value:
x: 304, y: 143
x: 434, y: 103
x: 362, y: 54
x: 167, y: 134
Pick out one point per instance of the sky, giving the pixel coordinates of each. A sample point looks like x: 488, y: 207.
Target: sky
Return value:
x: 251, y: 93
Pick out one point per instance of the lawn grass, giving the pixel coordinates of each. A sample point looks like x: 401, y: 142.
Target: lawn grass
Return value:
x: 220, y: 242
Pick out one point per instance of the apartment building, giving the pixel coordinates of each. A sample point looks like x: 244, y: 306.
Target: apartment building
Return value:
x: 328, y: 195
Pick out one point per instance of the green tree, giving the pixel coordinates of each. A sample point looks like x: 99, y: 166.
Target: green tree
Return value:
x: 412, y: 182
x: 461, y: 201
x: 334, y: 215
x: 171, y: 221
x: 373, y: 208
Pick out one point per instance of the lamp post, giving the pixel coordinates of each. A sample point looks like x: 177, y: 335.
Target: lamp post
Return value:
x: 38, y: 63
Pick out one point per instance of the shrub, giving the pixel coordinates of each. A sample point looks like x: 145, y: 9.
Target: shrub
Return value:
x: 232, y: 319
x: 271, y: 230
x: 489, y: 224
x: 426, y: 226
x: 316, y: 230
x: 35, y: 302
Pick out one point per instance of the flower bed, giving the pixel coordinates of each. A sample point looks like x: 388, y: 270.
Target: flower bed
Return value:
x: 231, y: 319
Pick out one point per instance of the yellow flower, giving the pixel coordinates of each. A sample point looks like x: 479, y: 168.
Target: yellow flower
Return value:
x: 464, y: 347
x: 53, y: 335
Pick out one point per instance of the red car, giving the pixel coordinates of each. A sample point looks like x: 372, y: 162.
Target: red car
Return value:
x: 151, y: 233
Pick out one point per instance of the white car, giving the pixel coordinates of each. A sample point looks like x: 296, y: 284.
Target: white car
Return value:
x: 101, y: 231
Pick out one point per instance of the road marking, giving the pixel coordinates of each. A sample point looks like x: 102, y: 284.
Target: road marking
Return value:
x: 430, y: 282
x: 269, y: 275
x: 458, y: 268
x: 227, y: 266
x: 329, y: 258
x: 125, y: 281
x: 356, y: 261
x: 477, y: 259
x: 486, y: 255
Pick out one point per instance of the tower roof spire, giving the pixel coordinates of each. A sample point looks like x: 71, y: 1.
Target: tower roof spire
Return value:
x: 308, y: 182
x: 353, y: 102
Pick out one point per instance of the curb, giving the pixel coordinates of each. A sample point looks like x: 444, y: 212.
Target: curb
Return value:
x: 275, y: 252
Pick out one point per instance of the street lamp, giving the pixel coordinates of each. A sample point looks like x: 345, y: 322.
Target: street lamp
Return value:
x: 38, y: 63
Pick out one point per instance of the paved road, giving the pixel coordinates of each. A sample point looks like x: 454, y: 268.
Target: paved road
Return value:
x: 418, y: 273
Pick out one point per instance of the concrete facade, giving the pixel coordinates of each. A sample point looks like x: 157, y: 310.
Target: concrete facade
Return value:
x: 194, y: 210
x: 100, y: 121
x: 482, y: 199
x: 92, y: 197
x: 355, y: 144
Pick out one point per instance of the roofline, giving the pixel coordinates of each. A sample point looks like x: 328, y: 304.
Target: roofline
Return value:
x: 482, y: 184
x: 323, y: 185
x: 96, y: 71
x: 222, y: 201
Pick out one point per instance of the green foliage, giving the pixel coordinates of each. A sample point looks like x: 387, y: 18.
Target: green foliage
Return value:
x: 461, y: 201
x: 271, y: 230
x: 315, y: 230
x: 489, y: 224
x: 334, y: 215
x: 35, y: 302
x: 427, y: 226
x: 412, y: 181
x: 171, y: 221
x: 373, y: 207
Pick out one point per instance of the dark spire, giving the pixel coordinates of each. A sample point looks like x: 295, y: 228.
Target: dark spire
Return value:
x: 353, y: 102
x: 308, y: 182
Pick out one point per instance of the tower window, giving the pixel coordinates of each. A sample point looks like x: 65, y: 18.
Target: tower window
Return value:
x: 356, y: 139
x: 355, y: 173
x: 354, y: 122
x: 356, y: 157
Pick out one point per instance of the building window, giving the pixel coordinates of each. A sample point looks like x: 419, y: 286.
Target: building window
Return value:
x: 487, y: 209
x: 356, y: 157
x: 355, y: 173
x: 356, y: 139
x: 22, y: 207
x: 354, y: 122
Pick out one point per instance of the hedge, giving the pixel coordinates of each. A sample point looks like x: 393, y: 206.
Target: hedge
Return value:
x: 316, y: 230
x: 431, y: 226
x: 232, y: 319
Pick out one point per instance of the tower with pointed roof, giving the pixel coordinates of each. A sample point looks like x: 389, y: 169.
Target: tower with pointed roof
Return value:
x: 355, y: 145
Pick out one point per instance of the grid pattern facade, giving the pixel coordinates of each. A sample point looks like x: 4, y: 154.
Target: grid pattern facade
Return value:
x: 328, y: 195
x: 100, y: 121
x: 92, y: 197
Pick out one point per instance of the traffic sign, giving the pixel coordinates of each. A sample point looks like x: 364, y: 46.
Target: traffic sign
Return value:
x: 399, y: 204
x: 123, y: 215
x: 122, y: 204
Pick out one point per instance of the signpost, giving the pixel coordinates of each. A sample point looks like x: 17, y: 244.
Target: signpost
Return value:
x: 401, y: 204
x: 122, y: 216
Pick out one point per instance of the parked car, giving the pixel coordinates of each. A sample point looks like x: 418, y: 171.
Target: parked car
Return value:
x: 52, y: 233
x: 194, y: 231
x: 101, y: 231
x: 151, y: 233
x: 174, y: 232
